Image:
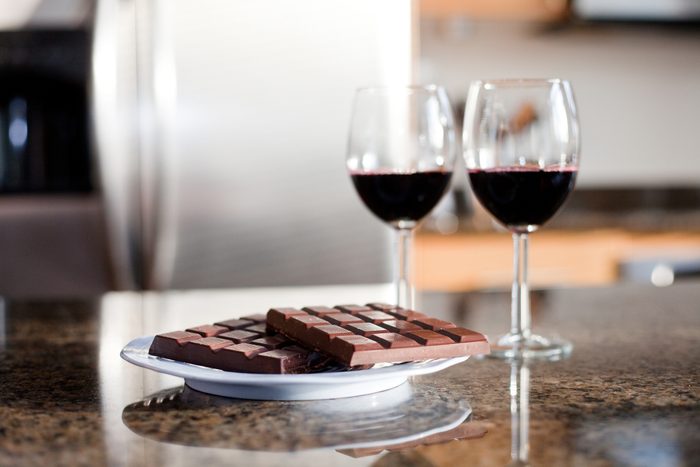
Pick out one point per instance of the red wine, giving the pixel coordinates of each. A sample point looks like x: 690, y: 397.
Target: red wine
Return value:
x: 522, y: 196
x: 396, y: 196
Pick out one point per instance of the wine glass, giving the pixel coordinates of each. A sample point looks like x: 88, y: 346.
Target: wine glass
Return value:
x: 400, y: 156
x: 521, y: 149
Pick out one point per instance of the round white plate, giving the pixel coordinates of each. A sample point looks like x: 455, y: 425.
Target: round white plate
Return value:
x: 329, y: 385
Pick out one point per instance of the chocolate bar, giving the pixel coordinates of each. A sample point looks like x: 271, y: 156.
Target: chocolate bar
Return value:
x: 240, y: 345
x: 374, y: 333
x: 468, y: 430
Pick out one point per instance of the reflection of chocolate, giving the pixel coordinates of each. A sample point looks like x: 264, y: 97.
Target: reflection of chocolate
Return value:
x: 361, y: 335
x: 526, y: 116
x: 185, y: 416
x: 467, y: 430
x: 237, y: 345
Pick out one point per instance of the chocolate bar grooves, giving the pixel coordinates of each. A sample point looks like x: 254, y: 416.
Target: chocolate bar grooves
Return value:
x: 318, y: 339
x: 377, y: 333
x: 240, y: 345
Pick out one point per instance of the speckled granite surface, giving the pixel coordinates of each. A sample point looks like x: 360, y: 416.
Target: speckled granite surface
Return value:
x: 629, y: 394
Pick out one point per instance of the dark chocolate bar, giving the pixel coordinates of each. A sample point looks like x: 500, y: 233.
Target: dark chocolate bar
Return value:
x: 240, y: 345
x: 375, y: 333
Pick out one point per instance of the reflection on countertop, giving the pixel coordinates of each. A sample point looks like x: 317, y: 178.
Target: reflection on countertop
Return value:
x: 405, y: 414
x: 627, y: 396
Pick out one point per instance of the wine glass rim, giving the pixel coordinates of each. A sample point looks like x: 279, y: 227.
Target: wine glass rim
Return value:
x: 400, y: 87
x: 519, y: 82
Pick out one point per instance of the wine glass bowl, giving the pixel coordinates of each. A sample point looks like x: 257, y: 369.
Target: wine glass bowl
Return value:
x: 521, y: 150
x: 400, y: 157
x: 401, y: 199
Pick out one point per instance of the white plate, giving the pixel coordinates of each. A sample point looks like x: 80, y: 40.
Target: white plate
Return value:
x: 329, y: 385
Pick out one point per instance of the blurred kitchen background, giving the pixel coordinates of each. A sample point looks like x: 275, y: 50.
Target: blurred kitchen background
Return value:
x: 176, y: 144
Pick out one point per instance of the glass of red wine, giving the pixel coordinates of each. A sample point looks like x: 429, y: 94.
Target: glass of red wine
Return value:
x: 401, y: 153
x: 521, y: 149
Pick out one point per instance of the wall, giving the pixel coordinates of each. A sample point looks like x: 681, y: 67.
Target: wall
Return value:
x: 637, y: 87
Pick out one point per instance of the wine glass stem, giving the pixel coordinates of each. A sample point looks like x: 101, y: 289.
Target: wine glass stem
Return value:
x: 519, y: 412
x: 404, y: 287
x: 520, y: 298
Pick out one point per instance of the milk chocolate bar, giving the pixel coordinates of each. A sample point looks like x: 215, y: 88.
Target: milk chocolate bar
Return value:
x: 240, y: 345
x: 374, y: 333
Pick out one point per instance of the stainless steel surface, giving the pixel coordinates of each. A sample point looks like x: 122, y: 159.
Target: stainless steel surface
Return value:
x: 221, y: 133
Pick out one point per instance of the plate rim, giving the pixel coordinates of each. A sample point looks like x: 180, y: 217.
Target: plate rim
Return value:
x: 136, y: 353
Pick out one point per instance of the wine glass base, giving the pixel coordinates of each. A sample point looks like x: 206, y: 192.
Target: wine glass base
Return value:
x: 533, y: 347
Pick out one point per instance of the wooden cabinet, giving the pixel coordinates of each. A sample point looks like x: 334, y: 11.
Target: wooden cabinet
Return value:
x: 469, y: 261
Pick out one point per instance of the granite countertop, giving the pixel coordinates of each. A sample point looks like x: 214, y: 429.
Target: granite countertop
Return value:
x: 627, y: 396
